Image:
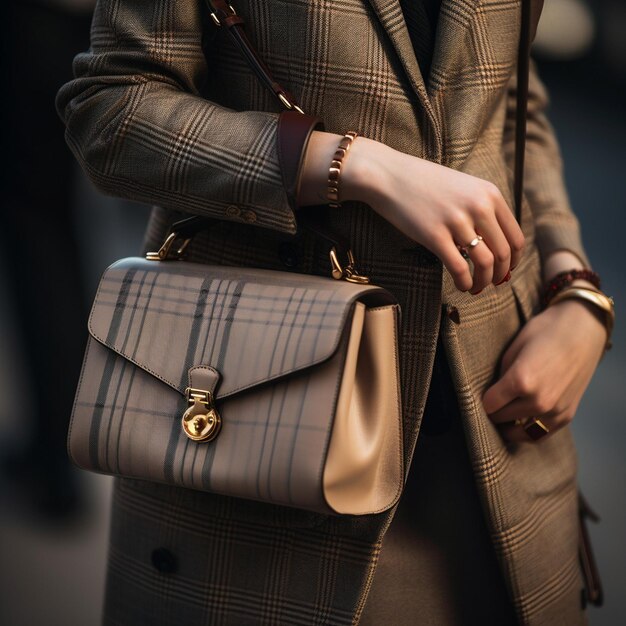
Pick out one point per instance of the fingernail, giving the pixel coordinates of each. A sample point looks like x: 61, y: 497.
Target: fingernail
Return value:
x: 506, y: 279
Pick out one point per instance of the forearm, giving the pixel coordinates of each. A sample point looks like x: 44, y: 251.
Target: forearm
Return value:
x: 360, y: 177
x: 562, y: 261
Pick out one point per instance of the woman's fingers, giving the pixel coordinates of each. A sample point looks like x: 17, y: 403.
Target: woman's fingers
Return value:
x: 500, y: 230
x: 496, y: 242
x: 520, y: 408
x: 512, y: 232
x: 448, y: 252
x: 502, y: 240
x: 515, y: 432
x: 483, y: 260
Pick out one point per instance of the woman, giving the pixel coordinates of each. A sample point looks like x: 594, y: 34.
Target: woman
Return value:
x: 164, y: 110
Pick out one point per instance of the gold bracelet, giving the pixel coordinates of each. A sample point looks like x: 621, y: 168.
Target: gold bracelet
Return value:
x: 597, y: 298
x: 334, y: 172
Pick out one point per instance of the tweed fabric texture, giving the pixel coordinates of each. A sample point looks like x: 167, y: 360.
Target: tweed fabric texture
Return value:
x: 164, y: 110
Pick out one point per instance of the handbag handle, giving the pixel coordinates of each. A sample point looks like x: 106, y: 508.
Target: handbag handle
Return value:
x: 183, y: 231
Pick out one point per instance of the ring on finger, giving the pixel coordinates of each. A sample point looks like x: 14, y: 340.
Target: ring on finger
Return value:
x: 534, y: 427
x: 472, y: 244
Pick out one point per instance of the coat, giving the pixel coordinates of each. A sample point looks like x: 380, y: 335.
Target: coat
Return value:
x: 163, y: 110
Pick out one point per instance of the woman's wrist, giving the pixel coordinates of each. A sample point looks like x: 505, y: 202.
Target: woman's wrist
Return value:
x: 563, y: 261
x: 560, y: 261
x: 362, y: 178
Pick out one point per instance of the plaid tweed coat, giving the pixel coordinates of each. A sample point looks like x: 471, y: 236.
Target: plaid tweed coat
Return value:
x: 163, y: 110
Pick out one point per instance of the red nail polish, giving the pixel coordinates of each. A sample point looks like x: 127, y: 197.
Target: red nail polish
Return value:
x: 479, y: 291
x: 506, y: 279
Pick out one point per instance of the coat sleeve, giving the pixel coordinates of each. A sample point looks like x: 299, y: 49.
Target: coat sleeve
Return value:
x: 138, y: 125
x: 556, y: 225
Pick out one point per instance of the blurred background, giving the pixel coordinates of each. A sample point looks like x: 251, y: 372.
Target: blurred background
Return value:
x: 53, y: 518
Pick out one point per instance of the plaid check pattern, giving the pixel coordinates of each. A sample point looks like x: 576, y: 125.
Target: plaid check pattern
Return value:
x: 163, y: 110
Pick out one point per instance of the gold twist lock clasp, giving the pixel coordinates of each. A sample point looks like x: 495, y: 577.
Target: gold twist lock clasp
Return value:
x: 201, y: 421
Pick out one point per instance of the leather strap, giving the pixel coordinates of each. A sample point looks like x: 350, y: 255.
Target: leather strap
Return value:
x: 521, y: 107
x: 224, y: 15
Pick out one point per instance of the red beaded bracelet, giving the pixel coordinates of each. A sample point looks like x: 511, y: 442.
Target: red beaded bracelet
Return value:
x: 563, y: 279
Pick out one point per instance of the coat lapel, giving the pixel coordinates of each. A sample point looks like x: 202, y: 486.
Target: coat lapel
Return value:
x: 389, y: 13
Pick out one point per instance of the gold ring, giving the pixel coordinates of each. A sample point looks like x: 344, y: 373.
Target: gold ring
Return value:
x: 534, y: 427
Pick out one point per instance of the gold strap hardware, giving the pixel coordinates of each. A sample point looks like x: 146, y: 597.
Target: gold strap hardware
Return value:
x: 217, y: 19
x: 289, y: 105
x: 166, y: 253
x: 201, y: 421
x: 347, y: 273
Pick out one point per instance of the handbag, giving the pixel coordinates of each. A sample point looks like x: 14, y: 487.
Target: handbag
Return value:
x: 260, y: 384
x: 253, y: 383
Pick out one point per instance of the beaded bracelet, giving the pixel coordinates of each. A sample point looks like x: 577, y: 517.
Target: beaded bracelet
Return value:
x: 334, y: 172
x: 563, y: 279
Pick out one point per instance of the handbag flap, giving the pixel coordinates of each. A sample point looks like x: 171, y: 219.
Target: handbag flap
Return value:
x: 252, y: 325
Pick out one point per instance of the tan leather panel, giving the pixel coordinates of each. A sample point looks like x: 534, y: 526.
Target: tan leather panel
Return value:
x: 364, y: 467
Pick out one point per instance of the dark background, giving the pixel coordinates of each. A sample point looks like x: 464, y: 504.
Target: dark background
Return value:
x: 53, y: 519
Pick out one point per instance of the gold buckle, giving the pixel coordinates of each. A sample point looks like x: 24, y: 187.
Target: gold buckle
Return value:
x: 165, y: 252
x: 347, y: 273
x: 201, y: 421
x: 217, y: 19
x: 289, y: 105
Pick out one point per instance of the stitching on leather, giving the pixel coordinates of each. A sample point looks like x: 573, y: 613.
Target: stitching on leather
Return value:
x: 399, y: 405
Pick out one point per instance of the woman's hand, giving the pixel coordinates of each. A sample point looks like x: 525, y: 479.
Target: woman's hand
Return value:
x: 438, y: 207
x: 546, y: 369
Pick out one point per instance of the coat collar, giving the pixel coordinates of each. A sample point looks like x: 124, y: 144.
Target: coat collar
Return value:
x: 454, y: 13
x: 450, y: 54
x: 389, y: 13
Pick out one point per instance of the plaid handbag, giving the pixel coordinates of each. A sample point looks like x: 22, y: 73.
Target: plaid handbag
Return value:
x: 261, y: 384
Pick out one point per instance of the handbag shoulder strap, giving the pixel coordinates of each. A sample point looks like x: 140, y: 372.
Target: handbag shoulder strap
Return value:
x: 223, y: 14
x: 521, y: 107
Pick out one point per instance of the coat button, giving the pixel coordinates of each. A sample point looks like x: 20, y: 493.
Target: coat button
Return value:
x: 288, y: 254
x: 453, y: 314
x: 164, y: 561
x: 233, y: 211
x: 249, y: 216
